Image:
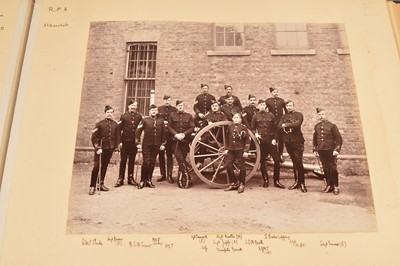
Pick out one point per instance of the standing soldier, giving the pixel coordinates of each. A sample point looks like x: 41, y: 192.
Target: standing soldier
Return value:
x: 229, y: 109
x: 202, y: 105
x: 264, y: 127
x: 237, y: 147
x: 277, y: 106
x: 128, y: 124
x: 105, y: 140
x: 327, y: 143
x: 249, y: 111
x: 164, y: 111
x: 154, y: 139
x: 181, y: 126
x: 215, y: 115
x: 290, y: 127
x: 228, y: 91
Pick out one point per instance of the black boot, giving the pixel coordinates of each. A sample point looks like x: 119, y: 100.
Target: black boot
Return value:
x: 295, y: 185
x: 328, y: 189
x: 132, y: 182
x: 161, y: 178
x: 150, y: 184
x: 119, y: 183
x: 264, y: 176
x: 233, y: 186
x: 303, y: 188
x: 241, y: 188
x: 278, y: 184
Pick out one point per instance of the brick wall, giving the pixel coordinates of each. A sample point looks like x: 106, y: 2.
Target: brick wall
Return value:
x: 321, y: 80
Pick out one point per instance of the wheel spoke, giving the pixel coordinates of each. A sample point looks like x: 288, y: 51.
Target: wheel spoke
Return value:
x: 219, y: 166
x: 213, y: 161
x: 208, y: 146
x: 206, y: 155
x: 215, y: 138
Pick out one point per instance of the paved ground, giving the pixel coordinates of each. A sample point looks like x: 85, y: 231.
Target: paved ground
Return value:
x: 203, y: 209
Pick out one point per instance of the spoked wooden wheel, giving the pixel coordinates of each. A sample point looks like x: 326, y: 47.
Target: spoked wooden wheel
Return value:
x: 207, y: 155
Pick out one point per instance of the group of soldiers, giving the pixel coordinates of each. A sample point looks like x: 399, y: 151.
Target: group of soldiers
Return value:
x: 168, y: 131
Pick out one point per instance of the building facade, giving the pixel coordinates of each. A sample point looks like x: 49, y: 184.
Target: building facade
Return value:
x: 308, y: 63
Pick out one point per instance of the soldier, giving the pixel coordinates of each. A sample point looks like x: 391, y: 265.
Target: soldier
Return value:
x: 228, y: 91
x: 202, y: 104
x: 327, y: 143
x: 127, y: 125
x: 181, y: 126
x: 154, y: 139
x: 215, y: 115
x: 277, y: 106
x: 290, y: 127
x: 105, y: 140
x: 164, y: 111
x: 237, y: 147
x: 229, y: 109
x: 249, y: 111
x: 264, y: 127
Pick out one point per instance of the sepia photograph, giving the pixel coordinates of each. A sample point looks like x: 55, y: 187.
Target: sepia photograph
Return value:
x: 207, y: 127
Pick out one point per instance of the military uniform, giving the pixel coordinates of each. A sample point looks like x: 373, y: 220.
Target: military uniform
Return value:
x: 105, y: 136
x: 265, y: 124
x: 211, y: 117
x: 237, y: 142
x: 277, y: 107
x: 202, y: 105
x: 153, y: 137
x: 164, y: 111
x: 326, y: 140
x: 128, y: 124
x: 294, y: 142
x: 248, y: 112
x: 181, y: 122
x: 229, y: 110
x: 236, y: 101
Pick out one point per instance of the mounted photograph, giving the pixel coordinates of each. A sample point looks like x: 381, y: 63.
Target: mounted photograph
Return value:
x: 207, y: 127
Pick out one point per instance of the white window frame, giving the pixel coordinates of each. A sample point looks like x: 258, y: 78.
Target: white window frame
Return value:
x: 292, y: 39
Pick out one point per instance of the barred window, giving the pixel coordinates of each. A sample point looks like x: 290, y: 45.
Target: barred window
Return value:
x: 140, y: 74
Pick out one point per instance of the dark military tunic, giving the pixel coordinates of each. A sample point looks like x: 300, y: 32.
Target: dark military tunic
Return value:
x: 236, y: 101
x: 128, y: 124
x: 237, y: 137
x: 105, y: 136
x: 248, y: 112
x: 294, y: 141
x: 277, y: 106
x: 327, y: 137
x: 106, y: 132
x: 164, y: 111
x: 154, y: 136
x: 203, y: 103
x: 237, y: 142
x: 230, y: 110
x: 181, y: 122
x: 154, y: 131
x: 292, y: 132
x: 214, y: 117
x: 264, y: 123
